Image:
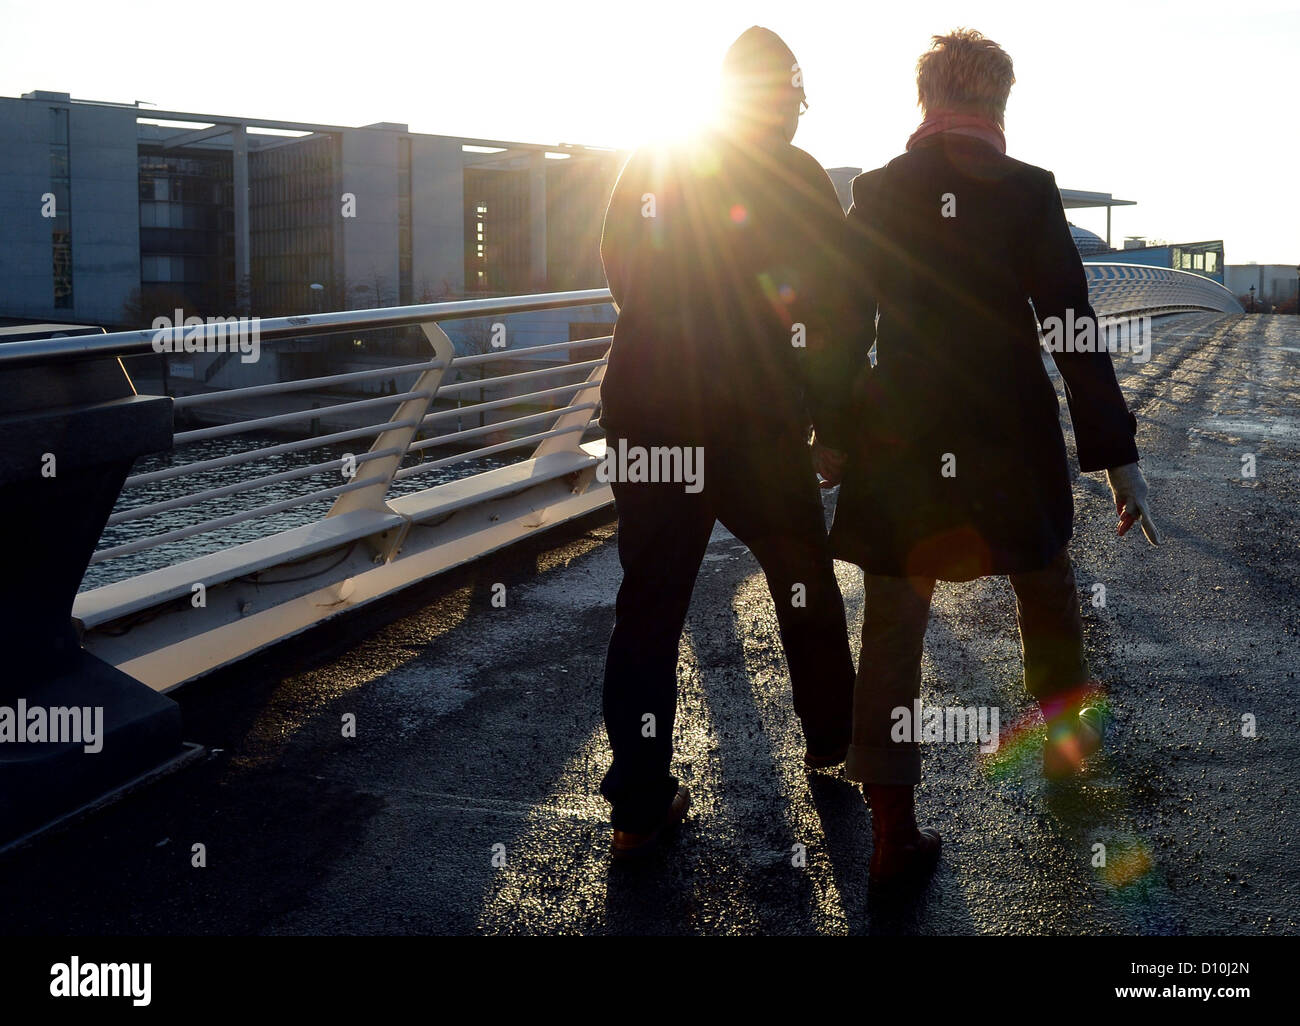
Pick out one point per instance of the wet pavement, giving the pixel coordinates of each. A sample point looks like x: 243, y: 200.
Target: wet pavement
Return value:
x: 466, y: 802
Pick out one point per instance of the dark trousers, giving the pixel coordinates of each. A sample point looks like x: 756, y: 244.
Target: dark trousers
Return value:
x: 767, y: 496
x: 889, y: 670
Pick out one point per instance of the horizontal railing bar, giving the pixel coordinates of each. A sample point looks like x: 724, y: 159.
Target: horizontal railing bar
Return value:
x: 298, y: 384
x: 253, y: 483
x: 465, y: 457
x: 248, y: 455
x: 514, y: 354
x: 182, y: 533
x: 239, y: 427
x: 487, y: 429
x: 128, y: 343
x: 563, y: 368
x: 514, y: 400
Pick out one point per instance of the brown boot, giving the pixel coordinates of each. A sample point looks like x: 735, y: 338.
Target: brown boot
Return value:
x: 901, y: 853
x: 627, y: 845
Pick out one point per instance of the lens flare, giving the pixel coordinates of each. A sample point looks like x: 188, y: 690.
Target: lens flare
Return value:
x: 1021, y: 744
x: 1129, y: 864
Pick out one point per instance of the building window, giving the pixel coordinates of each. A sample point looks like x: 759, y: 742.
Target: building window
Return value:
x: 186, y: 228
x: 294, y: 195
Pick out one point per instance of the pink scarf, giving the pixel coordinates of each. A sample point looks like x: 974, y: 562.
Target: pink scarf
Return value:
x: 959, y: 124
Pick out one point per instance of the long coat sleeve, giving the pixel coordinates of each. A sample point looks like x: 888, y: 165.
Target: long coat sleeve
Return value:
x: 958, y: 462
x: 1054, y: 280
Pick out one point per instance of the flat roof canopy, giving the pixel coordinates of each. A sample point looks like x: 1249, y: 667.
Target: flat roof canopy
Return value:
x: 1071, y: 198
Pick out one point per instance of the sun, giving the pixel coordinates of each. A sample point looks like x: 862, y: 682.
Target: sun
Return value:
x: 677, y: 109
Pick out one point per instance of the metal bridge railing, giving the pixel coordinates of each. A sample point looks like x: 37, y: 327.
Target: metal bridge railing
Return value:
x: 1117, y: 289
x: 296, y: 512
x: 421, y: 428
x: 255, y: 518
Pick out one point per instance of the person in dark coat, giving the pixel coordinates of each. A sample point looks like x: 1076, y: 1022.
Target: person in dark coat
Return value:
x: 726, y: 260
x: 958, y: 467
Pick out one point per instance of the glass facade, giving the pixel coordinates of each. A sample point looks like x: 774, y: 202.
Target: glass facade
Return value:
x: 577, y: 192
x: 1204, y: 258
x: 498, y: 225
x: 497, y: 256
x: 61, y: 189
x: 187, y: 227
x: 294, y: 204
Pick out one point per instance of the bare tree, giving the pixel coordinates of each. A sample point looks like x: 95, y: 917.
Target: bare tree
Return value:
x: 476, y: 340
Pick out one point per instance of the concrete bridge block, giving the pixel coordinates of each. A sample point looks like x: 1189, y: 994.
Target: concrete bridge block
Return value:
x: 72, y: 727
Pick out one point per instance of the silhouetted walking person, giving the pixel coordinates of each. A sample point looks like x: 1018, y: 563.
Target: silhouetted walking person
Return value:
x: 722, y: 255
x: 958, y: 465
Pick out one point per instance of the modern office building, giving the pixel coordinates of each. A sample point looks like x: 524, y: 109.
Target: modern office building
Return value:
x: 111, y: 209
x: 1077, y: 199
x: 1274, y: 284
x: 1203, y: 258
x: 114, y: 213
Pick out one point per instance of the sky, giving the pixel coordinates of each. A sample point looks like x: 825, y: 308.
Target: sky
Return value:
x: 1190, y: 108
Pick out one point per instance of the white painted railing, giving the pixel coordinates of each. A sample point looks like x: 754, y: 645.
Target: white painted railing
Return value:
x: 195, y: 613
x: 1117, y: 289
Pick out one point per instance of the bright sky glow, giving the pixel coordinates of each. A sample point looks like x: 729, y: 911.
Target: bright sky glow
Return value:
x: 1189, y: 107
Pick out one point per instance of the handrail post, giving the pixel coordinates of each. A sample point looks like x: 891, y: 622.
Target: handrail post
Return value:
x: 412, y: 411
x: 570, y: 441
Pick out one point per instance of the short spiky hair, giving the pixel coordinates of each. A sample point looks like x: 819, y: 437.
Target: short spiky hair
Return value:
x: 964, y: 71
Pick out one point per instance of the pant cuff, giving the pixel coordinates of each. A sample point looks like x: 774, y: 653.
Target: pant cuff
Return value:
x: 826, y: 742
x: 900, y: 764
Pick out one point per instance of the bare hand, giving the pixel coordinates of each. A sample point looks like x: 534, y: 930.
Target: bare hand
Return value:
x: 1129, y: 489
x: 829, y: 464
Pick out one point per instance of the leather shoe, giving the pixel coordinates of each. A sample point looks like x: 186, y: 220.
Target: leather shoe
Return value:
x: 902, y: 854
x: 626, y: 845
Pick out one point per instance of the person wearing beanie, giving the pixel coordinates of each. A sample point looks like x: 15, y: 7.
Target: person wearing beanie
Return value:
x: 726, y: 258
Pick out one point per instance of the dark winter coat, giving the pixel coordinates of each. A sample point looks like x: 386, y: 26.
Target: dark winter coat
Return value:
x: 958, y: 465
x: 727, y: 260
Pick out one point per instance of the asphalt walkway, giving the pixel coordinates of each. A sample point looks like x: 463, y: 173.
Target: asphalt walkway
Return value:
x: 466, y: 802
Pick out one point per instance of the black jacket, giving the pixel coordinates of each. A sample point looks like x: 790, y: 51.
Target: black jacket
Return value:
x: 959, y: 382
x: 715, y: 254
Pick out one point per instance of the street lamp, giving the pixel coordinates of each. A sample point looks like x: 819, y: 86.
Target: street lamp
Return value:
x: 318, y: 295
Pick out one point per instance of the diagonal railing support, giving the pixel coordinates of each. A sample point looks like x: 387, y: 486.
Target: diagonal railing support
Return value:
x: 575, y: 419
x: 571, y: 441
x: 408, y: 414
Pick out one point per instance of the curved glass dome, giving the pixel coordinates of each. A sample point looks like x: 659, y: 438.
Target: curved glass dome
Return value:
x: 1086, y: 242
